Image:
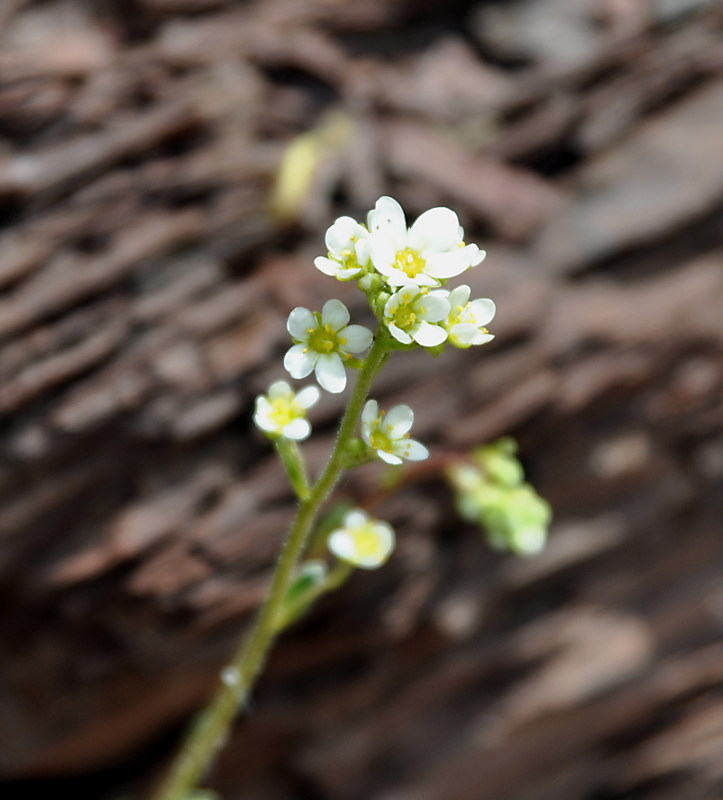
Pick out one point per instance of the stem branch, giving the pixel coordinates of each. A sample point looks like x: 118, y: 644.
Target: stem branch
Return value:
x: 209, y: 730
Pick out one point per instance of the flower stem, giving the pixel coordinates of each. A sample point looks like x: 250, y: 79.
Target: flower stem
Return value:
x: 210, y: 728
x: 294, y: 464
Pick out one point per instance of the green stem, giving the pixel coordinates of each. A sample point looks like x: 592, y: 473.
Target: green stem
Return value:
x: 209, y: 730
x: 336, y: 578
x: 294, y: 464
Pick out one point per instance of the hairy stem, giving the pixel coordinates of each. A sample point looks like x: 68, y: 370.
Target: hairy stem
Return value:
x: 210, y: 728
x: 294, y: 464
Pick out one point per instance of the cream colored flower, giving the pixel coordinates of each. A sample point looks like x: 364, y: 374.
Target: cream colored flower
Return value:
x: 429, y: 252
x: 282, y: 412
x: 361, y: 540
x: 410, y: 315
x: 466, y: 321
x: 348, y: 246
x: 388, y: 434
x: 322, y: 343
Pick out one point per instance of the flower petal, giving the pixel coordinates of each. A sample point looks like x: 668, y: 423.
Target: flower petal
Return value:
x: 388, y: 218
x: 482, y: 310
x: 464, y: 332
x: 437, y: 230
x: 279, y: 389
x: 382, y: 252
x: 399, y: 334
x: 370, y: 412
x: 385, y: 533
x: 335, y: 314
x: 477, y: 255
x: 297, y: 429
x: 262, y: 415
x: 399, y: 420
x: 459, y: 296
x: 338, y: 236
x: 413, y: 450
x: 330, y: 373
x: 429, y: 335
x: 355, y: 518
x: 299, y: 361
x: 342, y: 544
x: 483, y: 338
x: 299, y: 322
x: 436, y: 307
x: 356, y: 338
x: 326, y: 265
x: 425, y: 280
x: 308, y: 396
x: 390, y: 458
x: 448, y: 265
x: 361, y: 250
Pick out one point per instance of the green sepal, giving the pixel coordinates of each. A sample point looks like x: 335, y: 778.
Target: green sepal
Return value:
x: 355, y: 453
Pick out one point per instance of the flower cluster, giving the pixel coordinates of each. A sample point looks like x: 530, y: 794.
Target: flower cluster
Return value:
x: 490, y: 490
x: 402, y: 271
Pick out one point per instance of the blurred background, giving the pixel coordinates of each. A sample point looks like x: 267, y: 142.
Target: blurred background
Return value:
x: 167, y: 171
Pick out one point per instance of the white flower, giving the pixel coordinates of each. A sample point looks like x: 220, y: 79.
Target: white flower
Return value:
x: 361, y: 540
x: 282, y: 412
x: 348, y: 246
x: 426, y: 254
x: 322, y: 341
x: 409, y: 314
x: 466, y: 319
x: 388, y: 434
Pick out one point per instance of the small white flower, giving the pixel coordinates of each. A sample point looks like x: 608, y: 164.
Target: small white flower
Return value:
x: 282, y: 412
x: 426, y: 254
x: 361, y: 540
x: 466, y: 321
x: 410, y: 313
x: 322, y: 341
x: 348, y: 246
x: 388, y: 434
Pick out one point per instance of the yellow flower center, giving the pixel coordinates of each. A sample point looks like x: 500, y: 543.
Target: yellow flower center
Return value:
x: 284, y: 411
x: 410, y: 262
x: 366, y: 542
x: 323, y: 340
x: 405, y: 314
x: 380, y: 440
x: 456, y: 314
x: 349, y: 259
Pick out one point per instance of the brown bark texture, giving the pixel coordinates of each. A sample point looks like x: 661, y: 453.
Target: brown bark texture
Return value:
x: 146, y: 272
